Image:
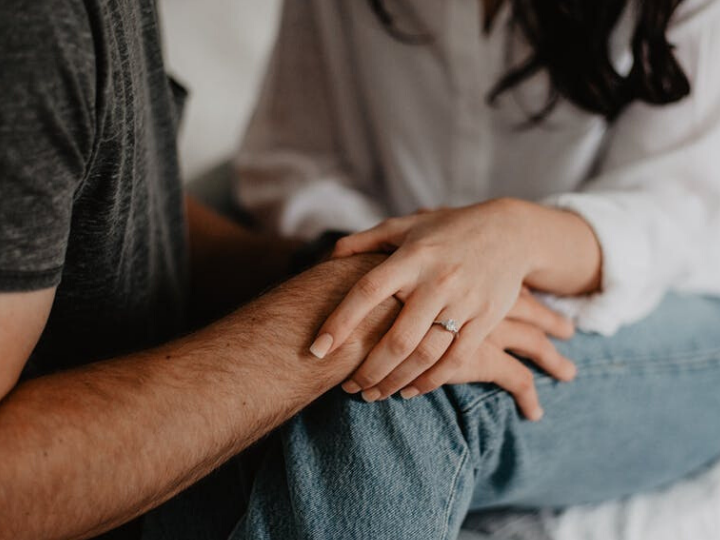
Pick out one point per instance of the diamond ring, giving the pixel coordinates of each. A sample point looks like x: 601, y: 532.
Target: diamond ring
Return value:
x: 450, y: 325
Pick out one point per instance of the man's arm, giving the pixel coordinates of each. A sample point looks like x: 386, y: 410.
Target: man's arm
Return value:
x: 84, y: 451
x: 230, y: 264
x: 22, y: 319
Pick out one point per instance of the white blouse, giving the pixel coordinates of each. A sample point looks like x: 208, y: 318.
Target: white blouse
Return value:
x: 353, y: 126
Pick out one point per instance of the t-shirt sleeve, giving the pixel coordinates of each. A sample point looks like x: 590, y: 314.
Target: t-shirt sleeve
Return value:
x: 47, y: 127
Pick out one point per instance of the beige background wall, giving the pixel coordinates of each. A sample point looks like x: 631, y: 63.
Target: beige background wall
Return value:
x: 218, y: 49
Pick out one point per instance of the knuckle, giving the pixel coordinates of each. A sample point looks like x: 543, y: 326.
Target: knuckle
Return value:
x: 391, y: 222
x: 486, y: 311
x: 390, y: 385
x: 556, y: 319
x: 338, y: 324
x: 450, y: 278
x: 430, y: 382
x: 394, y: 224
x: 555, y: 323
x: 366, y: 380
x: 525, y: 382
x: 417, y: 250
x: 344, y: 243
x: 426, y: 355
x: 563, y: 327
x: 536, y: 339
x: 400, y: 344
x: 454, y: 362
x: 520, y: 309
x: 542, y: 317
x: 546, y: 349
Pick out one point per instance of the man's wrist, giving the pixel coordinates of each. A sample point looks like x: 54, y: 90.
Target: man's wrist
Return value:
x: 284, y: 322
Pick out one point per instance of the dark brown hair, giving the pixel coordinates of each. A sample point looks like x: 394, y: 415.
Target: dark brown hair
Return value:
x: 570, y: 40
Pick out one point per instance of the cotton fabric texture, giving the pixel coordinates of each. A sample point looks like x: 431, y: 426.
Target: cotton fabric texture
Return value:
x: 90, y: 193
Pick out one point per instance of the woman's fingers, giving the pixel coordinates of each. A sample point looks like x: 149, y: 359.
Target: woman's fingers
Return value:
x: 511, y: 375
x: 491, y: 364
x: 463, y: 349
x: 430, y: 350
x: 409, y: 329
x: 380, y: 283
x: 530, y: 310
x: 383, y: 237
x: 530, y: 342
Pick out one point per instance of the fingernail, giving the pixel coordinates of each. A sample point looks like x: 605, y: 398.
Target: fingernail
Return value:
x: 536, y: 415
x: 321, y: 345
x: 409, y: 392
x: 371, y: 395
x: 351, y: 387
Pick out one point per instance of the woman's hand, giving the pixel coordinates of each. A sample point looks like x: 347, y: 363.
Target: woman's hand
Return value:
x: 524, y: 332
x: 465, y: 264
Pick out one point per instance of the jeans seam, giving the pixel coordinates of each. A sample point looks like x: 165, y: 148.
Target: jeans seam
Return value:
x: 690, y: 362
x: 694, y: 360
x: 509, y: 525
x: 701, y: 355
x: 480, y: 399
x: 453, y: 491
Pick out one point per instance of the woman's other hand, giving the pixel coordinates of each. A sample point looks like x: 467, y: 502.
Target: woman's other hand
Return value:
x: 525, y: 332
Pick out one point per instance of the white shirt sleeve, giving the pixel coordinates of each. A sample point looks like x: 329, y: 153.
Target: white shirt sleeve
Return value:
x: 655, y: 203
x: 305, y: 165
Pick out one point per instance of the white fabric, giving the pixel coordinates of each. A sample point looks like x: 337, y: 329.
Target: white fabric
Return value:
x: 689, y: 510
x: 650, y: 516
x: 353, y: 126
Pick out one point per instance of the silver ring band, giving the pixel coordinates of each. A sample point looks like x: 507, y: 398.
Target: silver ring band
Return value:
x: 450, y: 325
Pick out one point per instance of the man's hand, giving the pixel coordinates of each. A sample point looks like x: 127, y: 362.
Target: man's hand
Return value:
x: 83, y: 451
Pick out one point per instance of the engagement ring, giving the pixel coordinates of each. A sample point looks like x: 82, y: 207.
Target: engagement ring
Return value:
x: 450, y: 325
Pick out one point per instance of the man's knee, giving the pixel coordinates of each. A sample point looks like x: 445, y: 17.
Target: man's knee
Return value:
x: 340, y: 420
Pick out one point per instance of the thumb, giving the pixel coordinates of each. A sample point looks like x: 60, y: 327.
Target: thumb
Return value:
x: 385, y: 237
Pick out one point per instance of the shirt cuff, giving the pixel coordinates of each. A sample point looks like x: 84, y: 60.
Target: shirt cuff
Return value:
x: 328, y: 206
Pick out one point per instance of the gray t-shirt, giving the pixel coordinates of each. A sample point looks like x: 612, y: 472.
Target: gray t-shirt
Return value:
x: 90, y: 197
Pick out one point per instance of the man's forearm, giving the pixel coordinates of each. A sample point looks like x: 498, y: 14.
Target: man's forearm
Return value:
x: 83, y: 451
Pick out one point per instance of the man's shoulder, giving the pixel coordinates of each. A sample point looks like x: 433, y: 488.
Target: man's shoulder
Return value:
x: 44, y: 29
x: 43, y: 13
x: 47, y: 53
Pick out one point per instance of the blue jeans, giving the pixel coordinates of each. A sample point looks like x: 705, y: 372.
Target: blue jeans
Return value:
x: 642, y: 413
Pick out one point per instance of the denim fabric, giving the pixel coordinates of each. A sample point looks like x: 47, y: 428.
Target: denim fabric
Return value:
x: 641, y: 414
